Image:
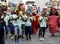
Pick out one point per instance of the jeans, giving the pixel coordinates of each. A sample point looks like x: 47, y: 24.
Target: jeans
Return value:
x: 18, y: 30
x: 6, y: 28
x: 42, y: 31
x: 28, y: 30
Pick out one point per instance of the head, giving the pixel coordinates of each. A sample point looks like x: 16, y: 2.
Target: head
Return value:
x: 43, y: 13
x: 53, y: 11
x: 12, y: 12
x: 1, y: 11
x: 5, y: 8
x: 4, y: 14
x: 45, y: 9
x: 21, y: 7
x: 34, y: 9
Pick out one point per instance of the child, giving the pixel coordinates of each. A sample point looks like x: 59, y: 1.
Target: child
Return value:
x: 42, y: 22
x: 6, y: 19
x: 53, y: 21
x: 23, y: 25
x: 28, y: 27
x: 13, y: 20
x: 19, y: 22
x: 12, y: 30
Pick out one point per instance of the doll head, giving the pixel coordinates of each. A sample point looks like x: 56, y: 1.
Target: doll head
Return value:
x: 53, y: 11
x: 21, y: 7
x: 34, y: 9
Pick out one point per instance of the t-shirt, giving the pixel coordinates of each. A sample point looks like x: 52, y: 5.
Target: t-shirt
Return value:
x: 14, y: 22
x: 6, y: 18
x: 19, y: 21
x: 23, y: 22
x: 43, y: 21
x: 28, y: 22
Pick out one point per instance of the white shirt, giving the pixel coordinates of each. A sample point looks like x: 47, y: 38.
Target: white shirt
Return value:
x: 43, y: 21
x: 6, y: 18
x: 23, y: 18
x: 19, y: 21
x: 14, y: 21
x: 28, y: 22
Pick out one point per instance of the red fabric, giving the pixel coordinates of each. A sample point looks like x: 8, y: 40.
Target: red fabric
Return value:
x: 53, y: 24
x: 35, y: 25
x: 53, y: 8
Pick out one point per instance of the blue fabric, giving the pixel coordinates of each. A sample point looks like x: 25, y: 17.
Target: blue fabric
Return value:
x: 2, y: 25
x: 28, y: 30
x: 12, y: 27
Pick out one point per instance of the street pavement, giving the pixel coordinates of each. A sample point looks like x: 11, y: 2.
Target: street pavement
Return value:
x: 35, y: 40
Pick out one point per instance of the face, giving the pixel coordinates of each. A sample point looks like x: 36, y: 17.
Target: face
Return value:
x: 21, y: 7
x: 34, y: 9
x: 5, y: 8
x: 53, y: 11
x: 45, y: 10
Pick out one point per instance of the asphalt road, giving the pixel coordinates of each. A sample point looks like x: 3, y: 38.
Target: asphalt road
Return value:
x: 35, y: 40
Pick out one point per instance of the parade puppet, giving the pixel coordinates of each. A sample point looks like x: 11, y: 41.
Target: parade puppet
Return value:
x: 35, y: 17
x: 21, y: 9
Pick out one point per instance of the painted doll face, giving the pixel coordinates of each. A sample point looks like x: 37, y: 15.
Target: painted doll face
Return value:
x: 53, y: 11
x: 21, y: 8
x: 34, y: 9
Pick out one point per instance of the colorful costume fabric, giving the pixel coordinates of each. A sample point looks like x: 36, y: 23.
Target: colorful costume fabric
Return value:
x: 53, y: 23
x: 35, y: 24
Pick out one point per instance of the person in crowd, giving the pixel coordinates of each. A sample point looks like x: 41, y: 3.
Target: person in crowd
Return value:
x: 35, y: 16
x: 43, y: 24
x: 6, y: 19
x: 2, y: 25
x: 53, y: 21
x: 13, y: 20
x: 11, y: 27
x: 45, y: 10
x: 28, y: 26
x: 19, y: 22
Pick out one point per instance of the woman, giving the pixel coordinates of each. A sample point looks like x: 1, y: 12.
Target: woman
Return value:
x: 53, y: 21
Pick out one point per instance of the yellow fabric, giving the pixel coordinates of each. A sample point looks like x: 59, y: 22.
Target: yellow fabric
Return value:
x: 20, y: 13
x: 16, y: 8
x: 34, y: 17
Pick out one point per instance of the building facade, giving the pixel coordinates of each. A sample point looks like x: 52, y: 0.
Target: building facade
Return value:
x: 54, y: 3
